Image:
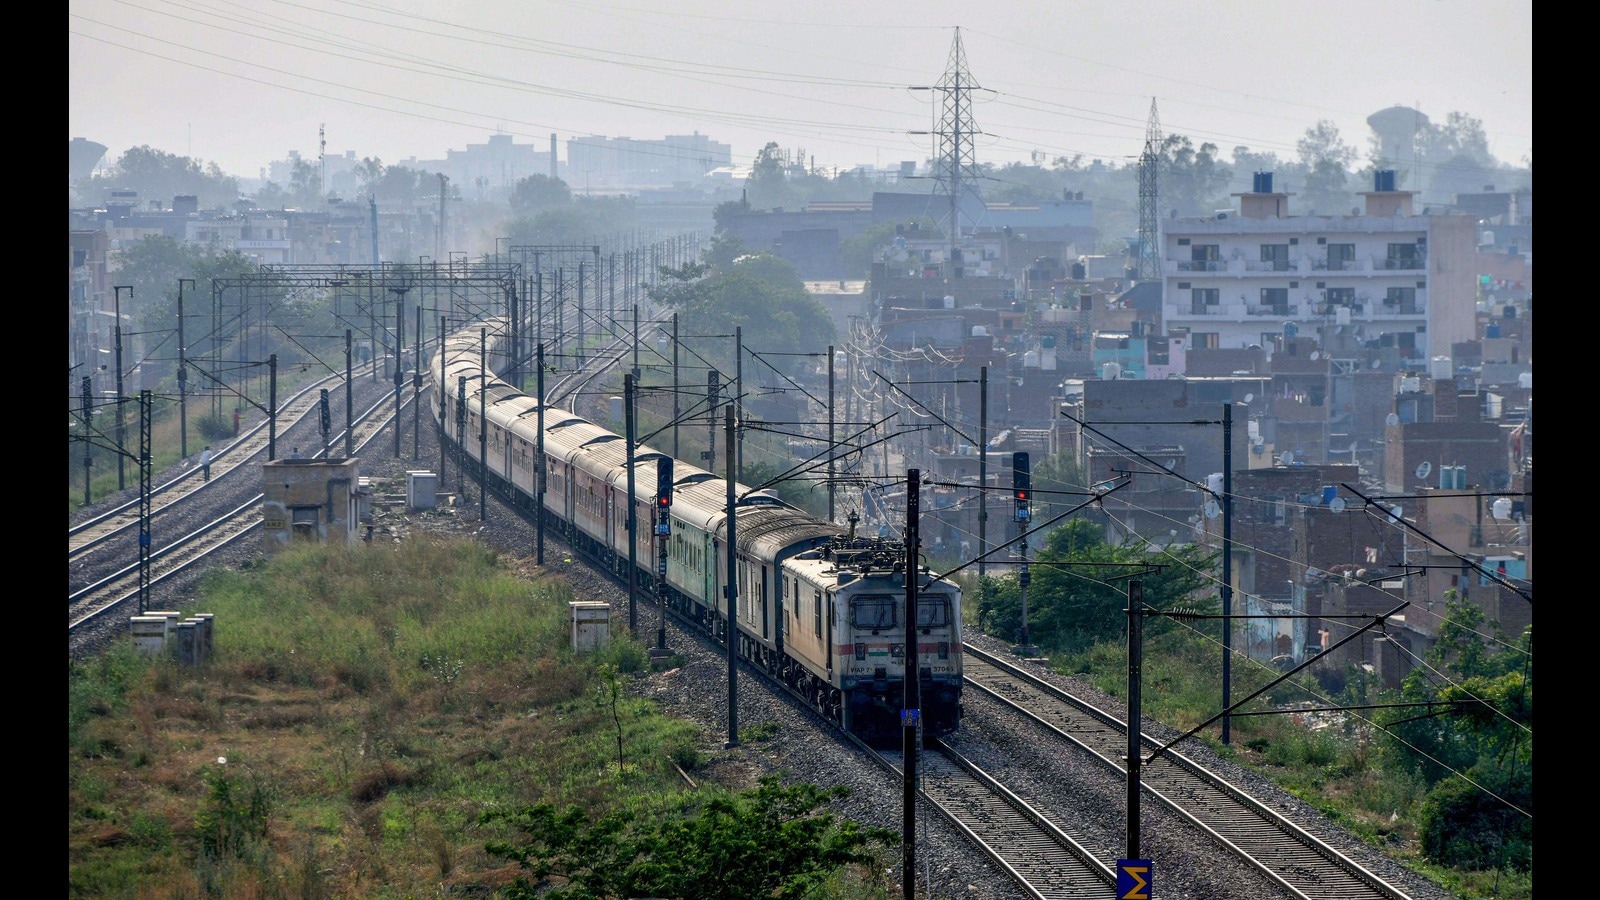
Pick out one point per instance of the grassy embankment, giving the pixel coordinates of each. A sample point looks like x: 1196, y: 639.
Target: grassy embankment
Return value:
x: 361, y: 711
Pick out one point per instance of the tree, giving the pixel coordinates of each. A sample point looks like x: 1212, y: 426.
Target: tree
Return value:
x: 1192, y: 179
x: 305, y: 185
x: 575, y: 223
x: 155, y: 174
x: 369, y: 171
x: 1327, y: 159
x: 1471, y: 737
x: 770, y: 842
x: 153, y: 266
x: 724, y: 212
x: 768, y: 185
x: 539, y: 192
x: 1075, y: 605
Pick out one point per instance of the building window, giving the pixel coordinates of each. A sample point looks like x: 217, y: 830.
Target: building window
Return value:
x: 1201, y: 298
x: 1276, y: 255
x: 1275, y: 301
x: 1204, y: 258
x: 1403, y: 256
x: 1205, y: 340
x: 1341, y: 257
x: 1337, y: 297
x: 1404, y: 300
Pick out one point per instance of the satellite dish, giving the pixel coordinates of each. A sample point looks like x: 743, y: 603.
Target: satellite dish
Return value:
x: 1249, y: 397
x: 1391, y: 419
x: 1423, y: 468
x: 1501, y: 508
x: 1212, y: 509
x: 1286, y: 457
x: 1172, y: 464
x: 1376, y: 363
x: 1316, y: 355
x: 1394, y: 513
x: 1336, y: 504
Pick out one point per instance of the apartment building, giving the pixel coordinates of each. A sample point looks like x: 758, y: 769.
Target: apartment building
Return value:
x: 1387, y: 276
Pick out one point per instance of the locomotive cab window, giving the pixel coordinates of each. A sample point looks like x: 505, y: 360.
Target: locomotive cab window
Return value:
x: 875, y: 612
x: 933, y: 611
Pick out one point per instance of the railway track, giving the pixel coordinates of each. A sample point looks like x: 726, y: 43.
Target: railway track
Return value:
x: 95, y: 533
x: 1040, y: 855
x: 1283, y: 851
x: 110, y: 594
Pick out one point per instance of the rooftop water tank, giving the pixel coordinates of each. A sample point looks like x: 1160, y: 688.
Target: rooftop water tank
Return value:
x: 1111, y: 371
x: 1030, y: 359
x: 980, y: 331
x: 1440, y: 368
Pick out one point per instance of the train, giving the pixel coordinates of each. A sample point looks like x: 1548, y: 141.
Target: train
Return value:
x: 819, y: 610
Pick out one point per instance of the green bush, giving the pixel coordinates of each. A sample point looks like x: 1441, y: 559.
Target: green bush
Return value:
x: 1482, y: 825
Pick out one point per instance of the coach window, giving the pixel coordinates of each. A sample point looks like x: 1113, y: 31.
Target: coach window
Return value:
x: 875, y: 612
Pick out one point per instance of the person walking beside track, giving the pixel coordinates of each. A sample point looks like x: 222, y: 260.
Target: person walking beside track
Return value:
x: 205, y: 463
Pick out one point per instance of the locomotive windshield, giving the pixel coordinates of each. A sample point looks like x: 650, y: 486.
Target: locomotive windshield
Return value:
x: 875, y: 611
x: 933, y: 611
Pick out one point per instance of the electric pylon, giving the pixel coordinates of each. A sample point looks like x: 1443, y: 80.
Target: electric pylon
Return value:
x: 1149, y: 268
x: 957, y: 171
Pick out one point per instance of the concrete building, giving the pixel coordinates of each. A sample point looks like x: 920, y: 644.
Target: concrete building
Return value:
x: 1389, y: 278
x: 310, y: 499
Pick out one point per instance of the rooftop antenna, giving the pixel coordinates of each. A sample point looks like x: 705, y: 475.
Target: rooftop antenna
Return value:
x: 322, y: 158
x: 1149, y: 267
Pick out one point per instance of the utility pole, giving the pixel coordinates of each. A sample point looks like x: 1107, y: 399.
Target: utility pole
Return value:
x: 122, y: 433
x: 983, y: 473
x: 146, y: 476
x: 539, y: 467
x: 1135, y: 713
x: 677, y: 404
x: 911, y: 704
x: 350, y: 399
x: 738, y: 392
x: 1227, y: 568
x: 731, y: 589
x: 399, y: 358
x: 713, y: 379
x: 416, y: 393
x: 183, y: 379
x: 633, y: 536
x: 272, y: 407
x: 483, y: 425
x: 87, y: 393
x: 831, y: 453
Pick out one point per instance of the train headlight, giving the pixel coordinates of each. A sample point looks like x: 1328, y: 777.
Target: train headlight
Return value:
x: 897, y: 651
x: 861, y: 651
x: 944, y: 649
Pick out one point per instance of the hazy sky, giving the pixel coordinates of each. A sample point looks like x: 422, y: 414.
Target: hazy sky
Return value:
x: 243, y: 84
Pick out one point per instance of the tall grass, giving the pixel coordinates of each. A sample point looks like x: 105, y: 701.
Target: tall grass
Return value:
x: 362, y: 708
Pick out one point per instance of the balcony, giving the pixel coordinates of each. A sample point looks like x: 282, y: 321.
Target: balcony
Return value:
x: 1202, y: 265
x: 1268, y: 265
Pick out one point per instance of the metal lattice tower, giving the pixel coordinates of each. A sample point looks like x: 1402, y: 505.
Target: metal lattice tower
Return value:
x: 957, y: 171
x: 1149, y: 268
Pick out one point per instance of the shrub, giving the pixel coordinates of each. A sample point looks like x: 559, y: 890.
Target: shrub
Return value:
x: 1482, y: 825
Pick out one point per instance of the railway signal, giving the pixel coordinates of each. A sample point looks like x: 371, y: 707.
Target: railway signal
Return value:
x: 1022, y: 485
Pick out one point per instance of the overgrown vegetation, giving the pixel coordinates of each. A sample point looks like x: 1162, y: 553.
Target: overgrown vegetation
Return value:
x: 378, y: 722
x: 1443, y: 783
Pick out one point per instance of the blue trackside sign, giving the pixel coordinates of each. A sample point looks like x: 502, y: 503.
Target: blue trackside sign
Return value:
x: 1133, y: 879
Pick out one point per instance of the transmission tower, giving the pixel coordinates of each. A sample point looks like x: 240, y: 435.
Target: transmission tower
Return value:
x: 957, y: 171
x: 1149, y: 268
x: 322, y: 160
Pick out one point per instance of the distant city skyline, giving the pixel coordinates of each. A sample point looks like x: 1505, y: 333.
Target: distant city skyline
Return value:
x: 834, y: 80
